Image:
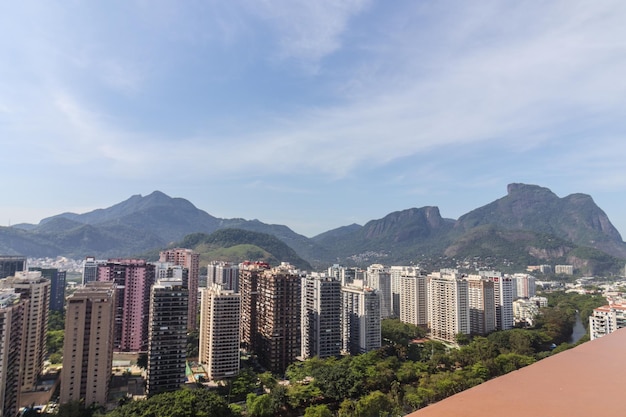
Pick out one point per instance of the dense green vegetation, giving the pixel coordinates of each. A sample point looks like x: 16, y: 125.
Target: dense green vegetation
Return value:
x: 185, y: 402
x: 54, y: 338
x: 394, y: 380
x: 238, y: 245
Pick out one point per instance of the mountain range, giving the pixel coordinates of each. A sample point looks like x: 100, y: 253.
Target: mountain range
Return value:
x: 530, y: 225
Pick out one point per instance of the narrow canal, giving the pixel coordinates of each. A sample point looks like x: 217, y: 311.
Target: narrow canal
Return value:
x: 579, y: 330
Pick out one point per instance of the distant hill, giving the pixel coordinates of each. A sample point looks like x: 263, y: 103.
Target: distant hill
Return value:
x: 575, y: 218
x: 530, y: 225
x: 135, y: 226
x: 236, y: 245
x: 396, y: 237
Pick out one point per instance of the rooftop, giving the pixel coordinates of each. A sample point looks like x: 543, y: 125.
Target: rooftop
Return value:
x: 584, y: 381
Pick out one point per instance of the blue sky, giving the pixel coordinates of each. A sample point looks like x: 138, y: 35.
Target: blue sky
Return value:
x: 312, y: 114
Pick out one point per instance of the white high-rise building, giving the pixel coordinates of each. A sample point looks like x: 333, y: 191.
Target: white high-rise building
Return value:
x: 503, y: 293
x: 321, y: 316
x: 224, y: 274
x: 360, y: 318
x: 396, y: 272
x: 346, y: 275
x: 378, y: 277
x: 220, y: 312
x: 606, y: 320
x: 169, y: 270
x: 525, y: 286
x: 413, y: 294
x: 525, y: 311
x: 448, y: 305
x: 481, y: 304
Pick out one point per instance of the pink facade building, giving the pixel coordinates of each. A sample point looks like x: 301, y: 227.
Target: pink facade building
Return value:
x: 133, y: 279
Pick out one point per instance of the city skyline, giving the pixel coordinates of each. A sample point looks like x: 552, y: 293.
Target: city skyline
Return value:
x: 412, y: 104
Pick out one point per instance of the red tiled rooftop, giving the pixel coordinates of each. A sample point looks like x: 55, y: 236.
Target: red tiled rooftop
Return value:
x: 589, y: 380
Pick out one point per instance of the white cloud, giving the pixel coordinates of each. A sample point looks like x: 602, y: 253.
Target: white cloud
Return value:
x: 308, y: 30
x: 450, y: 74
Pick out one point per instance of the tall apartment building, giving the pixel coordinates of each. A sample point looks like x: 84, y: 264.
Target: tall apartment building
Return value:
x: 378, y: 277
x: 525, y: 311
x: 249, y: 288
x: 224, y: 274
x: 413, y: 295
x: 503, y: 294
x: 90, y: 269
x: 346, y: 275
x: 279, y: 323
x: 360, y: 318
x: 482, y: 305
x: 564, y: 269
x: 321, y: 316
x: 525, y: 285
x: 10, y: 264
x: 167, y: 336
x: 88, y: 344
x: 448, y: 305
x: 190, y: 260
x: 169, y: 271
x: 220, y: 311
x: 57, y: 286
x: 13, y: 310
x: 396, y: 273
x: 133, y: 279
x: 32, y: 286
x: 606, y: 320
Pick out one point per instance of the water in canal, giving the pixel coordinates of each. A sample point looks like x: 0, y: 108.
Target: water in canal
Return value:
x: 579, y: 330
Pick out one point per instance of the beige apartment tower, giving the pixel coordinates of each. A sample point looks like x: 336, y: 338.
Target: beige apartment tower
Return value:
x: 413, y: 298
x: 88, y: 344
x: 32, y: 286
x: 481, y: 304
x: 12, y: 314
x: 448, y: 310
x: 220, y: 311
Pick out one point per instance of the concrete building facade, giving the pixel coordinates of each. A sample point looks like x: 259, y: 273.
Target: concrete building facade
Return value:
x: 503, y: 293
x: 279, y: 323
x: 10, y: 264
x: 167, y: 336
x: 481, y: 304
x: 133, y: 279
x: 413, y: 297
x: 379, y: 278
x: 606, y: 319
x: 220, y: 312
x: 88, y: 344
x: 34, y: 287
x: 190, y: 260
x: 448, y: 305
x: 360, y: 318
x: 321, y: 316
x: 396, y: 273
x: 249, y: 274
x: 57, y: 286
x: 13, y: 310
x: 525, y: 286
x: 225, y: 274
